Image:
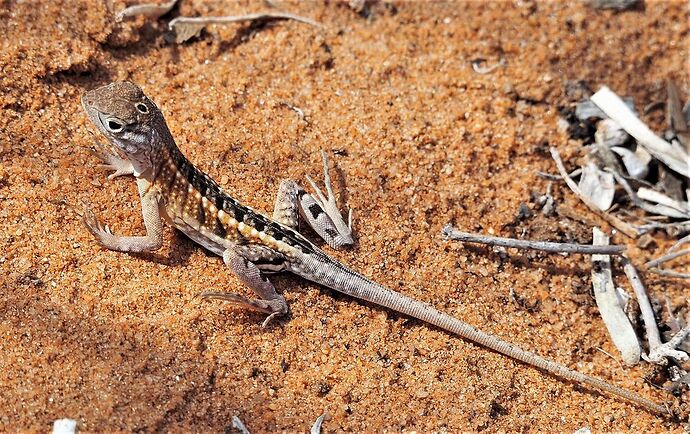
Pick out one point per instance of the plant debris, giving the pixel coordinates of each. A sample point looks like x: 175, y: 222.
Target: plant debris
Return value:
x: 675, y: 157
x: 186, y: 28
x: 598, y: 185
x: 653, y: 172
x: 620, y: 329
x: 618, y: 5
x: 149, y: 10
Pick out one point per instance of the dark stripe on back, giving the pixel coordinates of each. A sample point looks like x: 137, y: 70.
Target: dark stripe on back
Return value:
x: 240, y: 212
x: 219, y: 229
x: 212, y: 191
x: 200, y: 213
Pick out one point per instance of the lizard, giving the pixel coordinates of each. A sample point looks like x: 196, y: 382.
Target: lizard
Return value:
x: 251, y: 244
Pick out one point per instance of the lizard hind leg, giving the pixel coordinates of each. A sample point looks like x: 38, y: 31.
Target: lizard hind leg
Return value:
x: 319, y: 211
x: 330, y: 218
x: 241, y: 260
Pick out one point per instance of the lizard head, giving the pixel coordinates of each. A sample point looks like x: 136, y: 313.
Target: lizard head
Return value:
x: 129, y: 120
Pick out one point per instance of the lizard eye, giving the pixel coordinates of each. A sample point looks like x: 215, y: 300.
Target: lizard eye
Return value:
x: 114, y: 125
x: 142, y: 107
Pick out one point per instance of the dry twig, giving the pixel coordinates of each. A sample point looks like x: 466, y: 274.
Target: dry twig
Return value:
x: 617, y: 223
x: 665, y: 258
x: 187, y: 27
x: 546, y: 246
x: 679, y: 244
x: 653, y: 336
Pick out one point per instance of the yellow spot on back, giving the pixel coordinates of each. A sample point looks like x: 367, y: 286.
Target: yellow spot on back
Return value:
x: 223, y: 217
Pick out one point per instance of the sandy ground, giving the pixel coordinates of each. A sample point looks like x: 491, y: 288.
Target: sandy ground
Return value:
x: 122, y: 342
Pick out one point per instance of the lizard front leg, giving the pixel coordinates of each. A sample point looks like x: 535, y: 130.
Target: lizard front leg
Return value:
x: 120, y: 166
x: 319, y: 212
x: 153, y: 239
x: 247, y: 263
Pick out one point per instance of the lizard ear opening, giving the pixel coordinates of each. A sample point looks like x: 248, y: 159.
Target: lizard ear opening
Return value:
x: 142, y: 107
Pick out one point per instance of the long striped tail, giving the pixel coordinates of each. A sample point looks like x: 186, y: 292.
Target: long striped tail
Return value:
x: 340, y: 278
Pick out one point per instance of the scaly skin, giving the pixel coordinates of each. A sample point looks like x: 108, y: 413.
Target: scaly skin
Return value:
x: 250, y: 243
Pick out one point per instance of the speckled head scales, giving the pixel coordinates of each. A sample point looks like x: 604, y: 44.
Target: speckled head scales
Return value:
x: 129, y: 120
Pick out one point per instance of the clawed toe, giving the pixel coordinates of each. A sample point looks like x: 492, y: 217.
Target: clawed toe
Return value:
x: 330, y: 207
x: 275, y: 308
x: 99, y: 231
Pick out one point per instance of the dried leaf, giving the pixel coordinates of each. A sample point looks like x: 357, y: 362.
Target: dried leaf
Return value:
x: 665, y: 205
x: 586, y: 109
x: 149, y: 10
x: 610, y: 134
x: 186, y: 31
x: 636, y: 163
x: 598, y: 186
x: 620, y: 330
x: 670, y: 183
x: 674, y: 157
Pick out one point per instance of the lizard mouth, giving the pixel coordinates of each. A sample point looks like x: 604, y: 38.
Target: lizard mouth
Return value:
x: 101, y: 118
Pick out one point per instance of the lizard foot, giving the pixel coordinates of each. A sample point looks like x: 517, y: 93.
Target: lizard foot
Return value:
x: 98, y: 230
x: 330, y: 207
x: 275, y: 308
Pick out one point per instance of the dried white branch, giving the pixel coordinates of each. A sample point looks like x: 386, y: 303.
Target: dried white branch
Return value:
x: 653, y: 336
x: 620, y: 330
x: 546, y: 246
x: 676, y: 227
x: 655, y: 209
x: 674, y: 157
x: 677, y: 208
x: 666, y: 258
x: 619, y: 224
x: 679, y: 243
x: 660, y: 354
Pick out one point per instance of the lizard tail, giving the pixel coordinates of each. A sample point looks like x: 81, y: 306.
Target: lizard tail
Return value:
x: 342, y: 279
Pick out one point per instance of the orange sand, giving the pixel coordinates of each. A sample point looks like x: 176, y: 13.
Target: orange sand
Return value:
x: 122, y: 343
